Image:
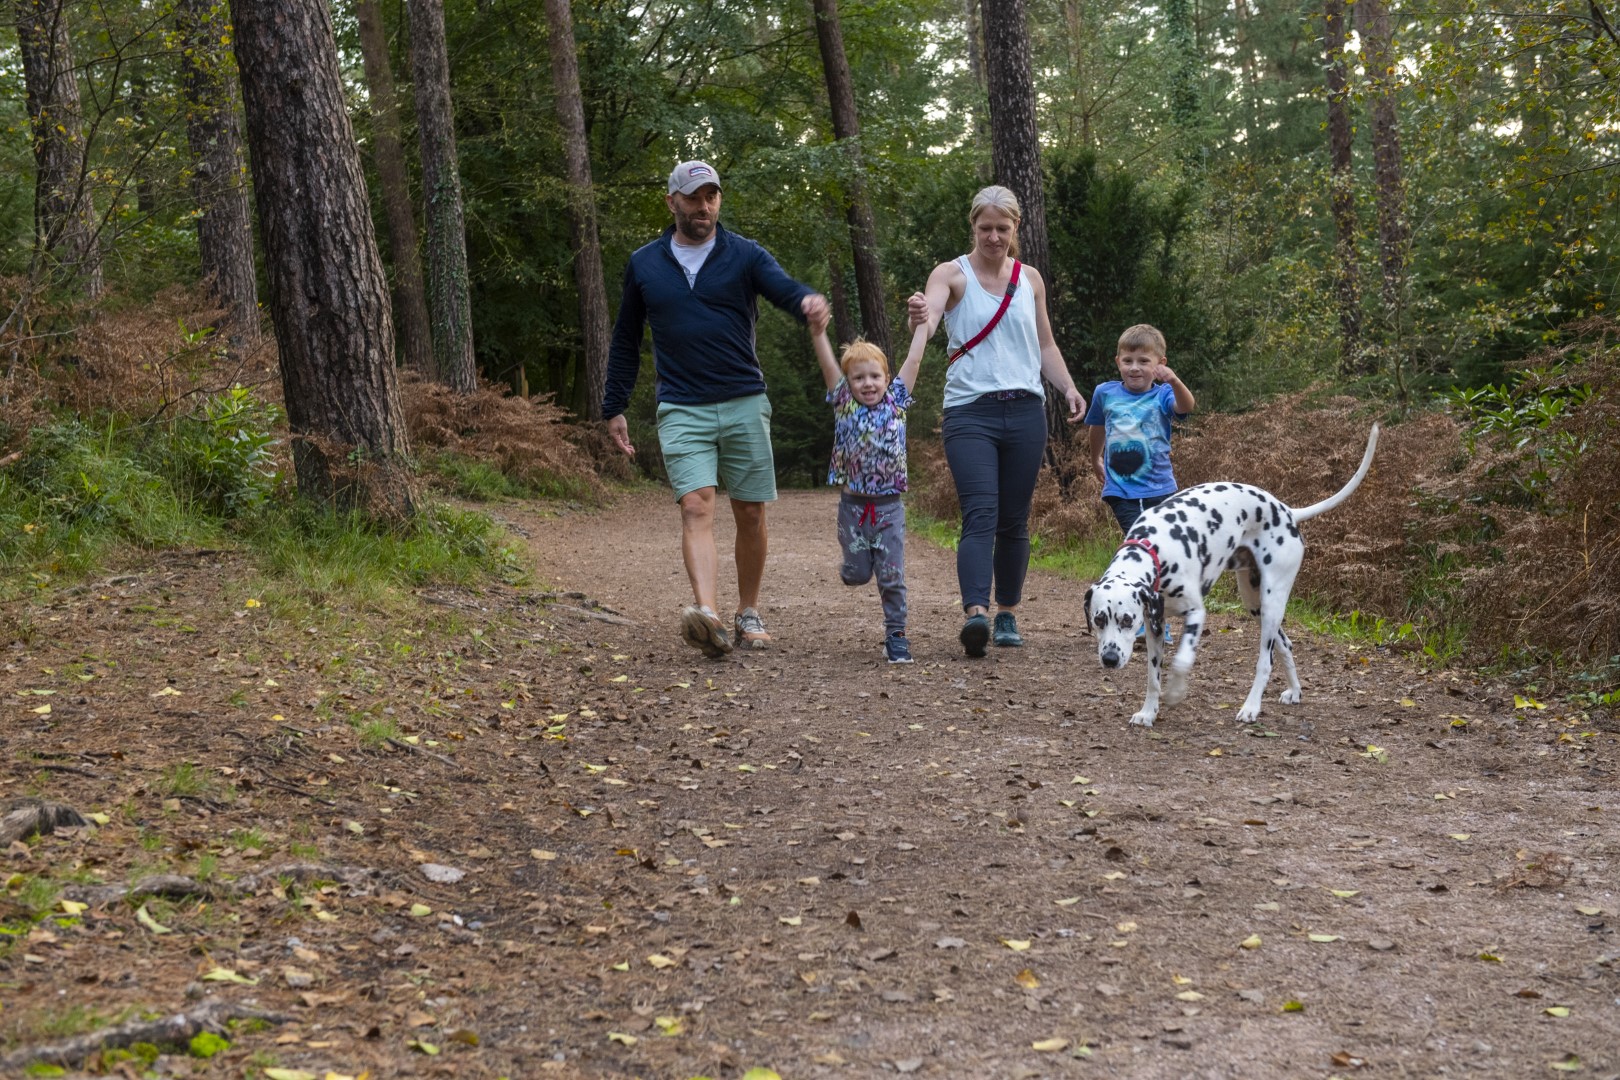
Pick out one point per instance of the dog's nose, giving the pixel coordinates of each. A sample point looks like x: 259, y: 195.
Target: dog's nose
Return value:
x: 1111, y: 658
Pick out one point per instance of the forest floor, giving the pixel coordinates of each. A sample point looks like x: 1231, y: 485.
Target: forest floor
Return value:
x: 515, y: 832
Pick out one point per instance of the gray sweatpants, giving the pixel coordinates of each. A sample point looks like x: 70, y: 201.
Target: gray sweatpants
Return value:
x: 872, y: 532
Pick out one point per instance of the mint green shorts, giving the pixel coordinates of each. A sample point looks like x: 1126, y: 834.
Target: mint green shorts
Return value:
x: 725, y: 444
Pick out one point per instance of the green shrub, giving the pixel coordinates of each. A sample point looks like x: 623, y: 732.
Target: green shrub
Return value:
x: 222, y: 454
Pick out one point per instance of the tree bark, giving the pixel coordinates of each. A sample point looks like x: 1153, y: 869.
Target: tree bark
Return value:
x: 1346, y: 272
x: 588, y: 279
x: 65, y: 228
x: 1387, y: 179
x: 328, y: 295
x: 449, y: 307
x: 410, y: 300
x: 975, y: 57
x: 219, y: 182
x: 1015, y: 146
x: 857, y: 206
x: 1181, y: 36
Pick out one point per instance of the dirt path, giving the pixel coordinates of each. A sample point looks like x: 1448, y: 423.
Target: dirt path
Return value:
x: 804, y: 858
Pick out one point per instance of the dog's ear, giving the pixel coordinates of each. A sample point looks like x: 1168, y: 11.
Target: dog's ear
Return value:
x: 1153, y: 604
x: 1089, y: 590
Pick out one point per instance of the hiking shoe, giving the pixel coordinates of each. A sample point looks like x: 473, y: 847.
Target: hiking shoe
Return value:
x: 897, y: 648
x: 1169, y: 638
x: 1006, y: 633
x: 701, y: 628
x: 750, y: 630
x: 975, y: 634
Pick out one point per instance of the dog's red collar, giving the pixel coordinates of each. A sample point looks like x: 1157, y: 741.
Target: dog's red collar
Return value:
x: 1153, y: 553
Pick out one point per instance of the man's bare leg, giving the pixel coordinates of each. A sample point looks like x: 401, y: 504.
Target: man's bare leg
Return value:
x: 700, y: 625
x: 752, y: 543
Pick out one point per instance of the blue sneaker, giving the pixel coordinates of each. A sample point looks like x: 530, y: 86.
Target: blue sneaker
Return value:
x: 1006, y: 632
x: 897, y: 648
x: 975, y: 634
x: 1169, y: 638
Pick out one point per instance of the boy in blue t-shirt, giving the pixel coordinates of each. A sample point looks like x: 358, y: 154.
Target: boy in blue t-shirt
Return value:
x: 1130, y: 426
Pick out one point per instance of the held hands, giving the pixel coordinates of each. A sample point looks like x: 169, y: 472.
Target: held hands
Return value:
x: 619, y: 431
x: 816, y: 312
x: 916, y: 310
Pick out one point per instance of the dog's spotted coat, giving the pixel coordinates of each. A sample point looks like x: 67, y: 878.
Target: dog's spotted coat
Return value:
x: 1171, y: 559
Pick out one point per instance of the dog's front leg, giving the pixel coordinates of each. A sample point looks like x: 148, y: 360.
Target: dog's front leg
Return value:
x: 1181, y: 665
x: 1150, y: 704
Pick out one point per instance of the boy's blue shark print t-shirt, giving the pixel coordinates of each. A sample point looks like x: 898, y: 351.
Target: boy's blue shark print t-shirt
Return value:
x: 869, y: 441
x: 1136, y: 447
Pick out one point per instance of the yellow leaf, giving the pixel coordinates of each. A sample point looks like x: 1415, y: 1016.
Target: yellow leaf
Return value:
x: 1584, y: 909
x: 669, y: 1025
x: 1125, y: 927
x: 1322, y: 939
x: 1408, y: 702
x: 1180, y: 980
x: 1115, y: 875
x: 621, y: 1037
x: 1569, y: 1064
x: 99, y: 818
x: 660, y: 961
x: 542, y: 855
x: 1068, y: 901
x: 1459, y: 835
x: 289, y: 1074
x: 593, y: 768
x: 419, y: 910
x: 220, y: 974
x: 1027, y: 980
x: 1250, y: 942
x: 1189, y: 995
x: 1217, y: 752
x: 250, y: 603
x: 1050, y: 1046
x: 620, y: 678
x: 1556, y: 1010
x: 1293, y: 1006
x: 1081, y: 780
x: 1345, y: 894
x: 1015, y: 946
x: 1490, y: 958
x: 74, y: 907
x: 422, y: 1047
x: 167, y: 691
x: 791, y: 920
x: 43, y: 710
x: 1526, y: 703
x: 761, y: 1073
x: 623, y: 965
x: 144, y: 917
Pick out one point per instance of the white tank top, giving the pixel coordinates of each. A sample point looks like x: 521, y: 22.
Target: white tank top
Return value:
x: 1008, y: 359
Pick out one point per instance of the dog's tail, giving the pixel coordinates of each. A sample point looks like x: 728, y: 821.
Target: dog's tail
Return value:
x: 1308, y: 512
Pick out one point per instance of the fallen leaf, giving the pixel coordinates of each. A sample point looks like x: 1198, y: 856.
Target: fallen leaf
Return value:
x: 759, y: 1073
x: 289, y: 1074
x: 1584, y: 909
x: 1556, y: 1010
x: 1491, y: 958
x: 1015, y: 946
x: 1293, y: 1006
x: 1345, y: 894
x: 1027, y: 980
x: 1068, y: 901
x: 621, y: 1037
x: 1250, y: 942
x: 220, y: 974
x: 1569, y: 1064
x: 422, y: 1047
x: 1189, y: 995
x: 1050, y: 1046
x: 660, y: 961
x: 420, y: 910
x: 1459, y: 835
x: 1322, y: 939
x: 144, y: 917
x: 669, y: 1025
x: 791, y: 920
x: 543, y: 856
x: 74, y: 907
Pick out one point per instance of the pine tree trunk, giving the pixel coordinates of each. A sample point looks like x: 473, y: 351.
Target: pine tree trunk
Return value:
x: 1346, y: 273
x: 65, y: 226
x: 1015, y: 146
x: 449, y: 306
x: 1181, y: 36
x: 981, y: 119
x: 857, y: 206
x: 410, y: 300
x: 328, y: 296
x: 588, y: 279
x: 219, y: 181
x: 1387, y: 179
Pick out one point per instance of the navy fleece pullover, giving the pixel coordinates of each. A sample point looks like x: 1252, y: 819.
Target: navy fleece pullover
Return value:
x: 703, y: 335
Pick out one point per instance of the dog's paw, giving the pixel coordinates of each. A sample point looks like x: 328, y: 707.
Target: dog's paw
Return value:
x: 1175, y: 688
x: 1289, y: 697
x: 1142, y: 719
x: 1248, y: 714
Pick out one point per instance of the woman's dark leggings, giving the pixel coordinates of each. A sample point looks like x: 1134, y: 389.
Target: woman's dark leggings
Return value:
x: 994, y: 448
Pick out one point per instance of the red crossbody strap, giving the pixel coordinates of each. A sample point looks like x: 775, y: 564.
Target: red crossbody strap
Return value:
x: 1006, y: 301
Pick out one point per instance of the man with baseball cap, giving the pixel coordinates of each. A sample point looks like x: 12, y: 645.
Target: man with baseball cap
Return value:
x: 698, y: 286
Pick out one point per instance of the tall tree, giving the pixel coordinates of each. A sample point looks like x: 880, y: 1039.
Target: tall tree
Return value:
x: 1388, y: 181
x: 1182, y: 38
x: 410, y: 301
x: 1015, y: 145
x: 1346, y: 274
x: 218, y: 170
x: 449, y: 306
x: 588, y: 279
x: 65, y: 225
x: 328, y: 294
x: 857, y: 206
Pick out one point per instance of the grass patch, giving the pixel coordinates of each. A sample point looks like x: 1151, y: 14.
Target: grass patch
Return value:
x: 185, y: 780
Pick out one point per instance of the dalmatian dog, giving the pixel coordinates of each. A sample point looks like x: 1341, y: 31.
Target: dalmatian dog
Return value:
x: 1170, y: 560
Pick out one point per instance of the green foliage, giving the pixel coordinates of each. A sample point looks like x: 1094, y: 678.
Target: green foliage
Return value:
x: 1524, y: 418
x: 205, y: 1044
x: 222, y: 453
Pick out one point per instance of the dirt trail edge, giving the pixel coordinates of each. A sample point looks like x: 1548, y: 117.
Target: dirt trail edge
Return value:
x: 594, y: 853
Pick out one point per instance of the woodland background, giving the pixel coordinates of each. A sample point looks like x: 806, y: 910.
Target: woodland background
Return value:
x: 1335, y: 212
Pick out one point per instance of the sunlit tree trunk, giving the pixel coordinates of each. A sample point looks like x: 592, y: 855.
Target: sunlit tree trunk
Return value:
x: 65, y: 224
x: 857, y: 206
x: 588, y: 280
x: 219, y: 182
x: 410, y: 301
x: 449, y: 304
x: 1346, y: 273
x: 328, y: 295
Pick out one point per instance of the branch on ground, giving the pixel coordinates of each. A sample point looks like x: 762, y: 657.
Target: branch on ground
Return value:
x: 177, y: 1029
x: 178, y: 887
x: 25, y: 817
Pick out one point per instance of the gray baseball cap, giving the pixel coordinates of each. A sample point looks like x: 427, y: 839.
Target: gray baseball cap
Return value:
x: 691, y: 175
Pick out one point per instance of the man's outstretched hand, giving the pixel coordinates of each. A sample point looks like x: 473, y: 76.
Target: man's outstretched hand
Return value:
x: 619, y: 431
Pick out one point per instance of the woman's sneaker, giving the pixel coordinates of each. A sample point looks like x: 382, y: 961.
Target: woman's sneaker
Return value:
x: 1006, y: 632
x: 897, y: 648
x: 751, y: 630
x: 975, y: 635
x: 702, y: 629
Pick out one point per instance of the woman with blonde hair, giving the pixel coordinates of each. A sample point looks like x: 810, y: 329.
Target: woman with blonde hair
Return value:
x: 994, y: 424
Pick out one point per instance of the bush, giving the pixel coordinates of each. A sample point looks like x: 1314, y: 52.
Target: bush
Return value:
x: 223, y: 454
